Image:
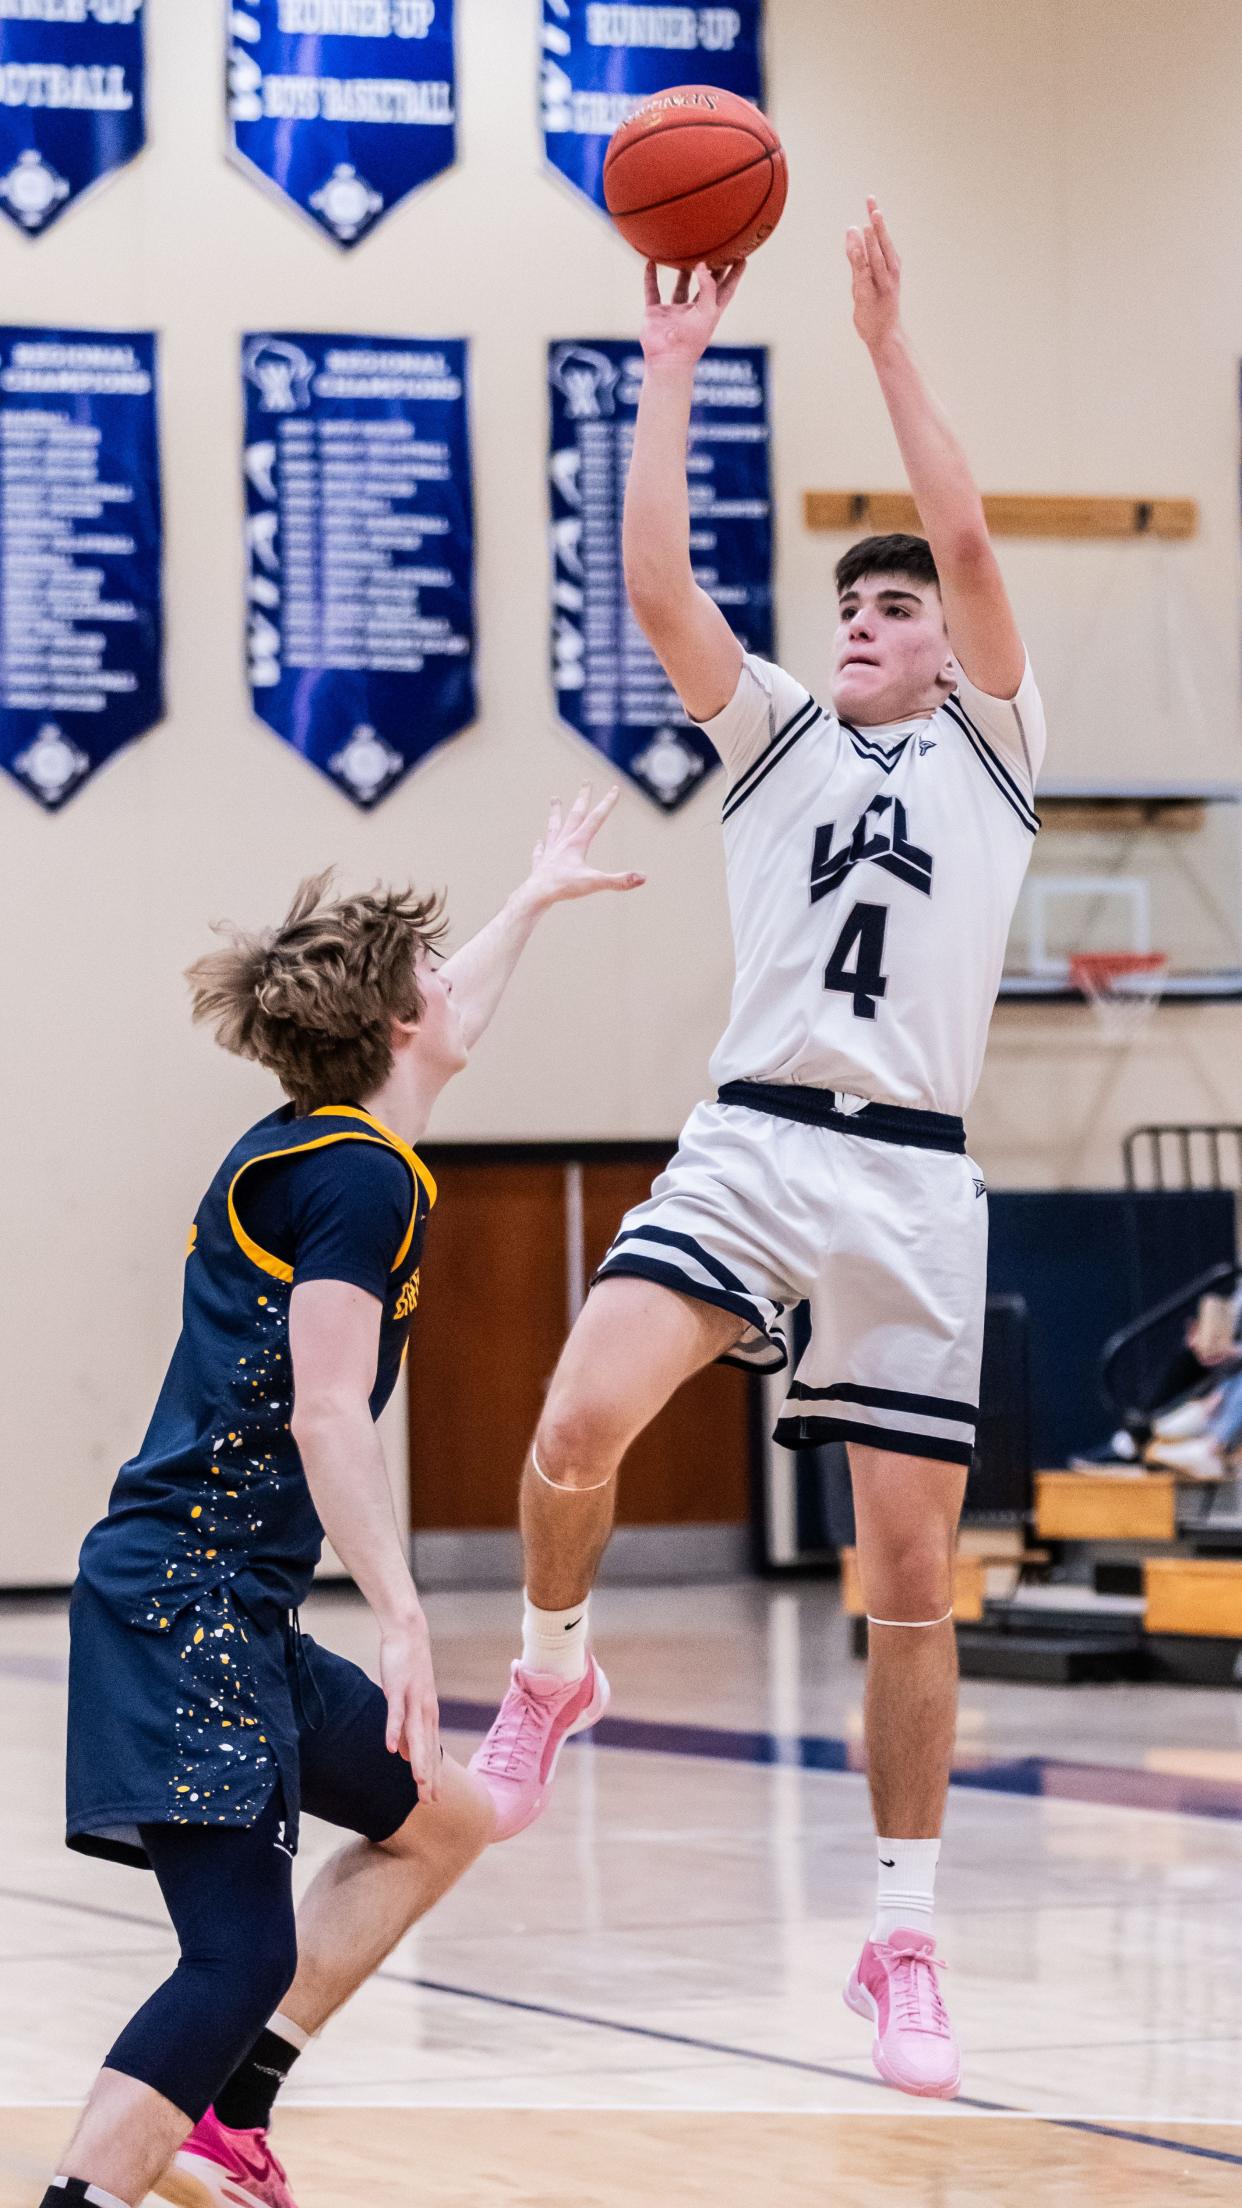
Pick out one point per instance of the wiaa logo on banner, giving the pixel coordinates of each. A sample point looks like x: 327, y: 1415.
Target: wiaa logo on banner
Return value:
x: 53, y: 764
x: 587, y: 381
x: 347, y: 202
x: 366, y: 764
x: 668, y: 766
x: 33, y: 190
x: 282, y: 376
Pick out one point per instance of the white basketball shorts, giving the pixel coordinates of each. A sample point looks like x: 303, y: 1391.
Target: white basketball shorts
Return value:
x: 870, y: 1214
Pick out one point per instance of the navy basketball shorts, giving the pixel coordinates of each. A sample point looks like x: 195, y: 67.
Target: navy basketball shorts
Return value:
x: 873, y: 1217
x: 201, y: 1720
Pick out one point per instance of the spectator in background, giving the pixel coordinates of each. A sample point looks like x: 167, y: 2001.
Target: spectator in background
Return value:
x: 1184, y: 1402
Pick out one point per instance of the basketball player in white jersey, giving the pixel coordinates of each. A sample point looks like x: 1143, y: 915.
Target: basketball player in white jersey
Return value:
x: 875, y: 851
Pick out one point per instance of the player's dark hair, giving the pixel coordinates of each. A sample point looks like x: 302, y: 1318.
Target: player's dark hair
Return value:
x: 313, y: 1000
x: 893, y: 555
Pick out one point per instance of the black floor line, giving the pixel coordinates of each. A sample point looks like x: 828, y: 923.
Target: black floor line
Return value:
x: 794, y: 2062
x: 684, y: 2039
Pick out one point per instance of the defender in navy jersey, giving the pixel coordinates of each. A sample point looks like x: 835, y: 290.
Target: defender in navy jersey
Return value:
x: 875, y: 847
x: 201, y: 1721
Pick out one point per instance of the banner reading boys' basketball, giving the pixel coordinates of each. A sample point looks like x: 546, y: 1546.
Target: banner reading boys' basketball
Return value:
x: 609, y: 685
x: 604, y: 58
x: 346, y: 106
x: 71, y: 102
x: 360, y: 537
x: 80, y: 548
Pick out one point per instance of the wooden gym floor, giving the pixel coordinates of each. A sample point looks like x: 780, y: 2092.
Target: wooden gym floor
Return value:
x: 638, y: 2001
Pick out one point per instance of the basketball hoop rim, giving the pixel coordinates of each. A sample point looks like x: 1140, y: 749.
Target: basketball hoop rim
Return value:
x: 1106, y: 966
x: 1102, y: 977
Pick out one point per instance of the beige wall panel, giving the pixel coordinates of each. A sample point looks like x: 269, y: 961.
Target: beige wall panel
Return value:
x: 1066, y: 186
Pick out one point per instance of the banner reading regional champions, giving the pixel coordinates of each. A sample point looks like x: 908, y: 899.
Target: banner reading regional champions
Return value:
x: 346, y: 106
x: 80, y: 545
x: 360, y: 535
x: 604, y: 58
x: 610, y: 687
x: 71, y: 101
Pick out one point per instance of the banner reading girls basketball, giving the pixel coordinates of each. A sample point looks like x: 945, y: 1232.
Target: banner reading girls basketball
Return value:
x: 602, y: 59
x: 610, y: 687
x: 346, y: 106
x: 80, y: 548
x: 71, y: 101
x: 360, y: 537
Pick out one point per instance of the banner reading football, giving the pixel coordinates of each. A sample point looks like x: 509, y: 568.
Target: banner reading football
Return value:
x: 346, y: 106
x: 602, y: 59
x: 360, y: 535
x: 609, y: 685
x: 71, y: 101
x: 80, y: 547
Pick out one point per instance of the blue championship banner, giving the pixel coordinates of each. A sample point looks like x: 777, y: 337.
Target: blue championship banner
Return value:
x: 360, y: 536
x: 609, y: 685
x: 80, y: 550
x: 346, y: 106
x: 604, y: 58
x: 71, y: 101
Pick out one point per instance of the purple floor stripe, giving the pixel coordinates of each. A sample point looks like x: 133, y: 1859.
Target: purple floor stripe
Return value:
x: 1044, y: 1778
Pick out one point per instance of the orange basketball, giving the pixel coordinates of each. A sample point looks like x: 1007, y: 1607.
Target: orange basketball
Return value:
x: 696, y: 175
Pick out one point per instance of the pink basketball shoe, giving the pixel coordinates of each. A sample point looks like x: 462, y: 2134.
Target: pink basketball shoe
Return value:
x: 896, y: 1984
x: 517, y: 1761
x: 219, y: 2168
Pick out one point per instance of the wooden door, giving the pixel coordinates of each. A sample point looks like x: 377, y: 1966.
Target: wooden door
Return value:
x: 500, y: 1276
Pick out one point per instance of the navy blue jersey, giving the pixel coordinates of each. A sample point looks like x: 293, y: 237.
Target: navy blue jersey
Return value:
x: 216, y: 1499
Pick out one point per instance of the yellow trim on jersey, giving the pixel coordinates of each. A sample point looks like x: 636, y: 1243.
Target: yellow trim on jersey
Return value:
x: 412, y: 1159
x: 276, y: 1266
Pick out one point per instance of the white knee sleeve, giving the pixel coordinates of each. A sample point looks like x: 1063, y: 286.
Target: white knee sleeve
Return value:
x: 568, y: 1487
x: 911, y: 1625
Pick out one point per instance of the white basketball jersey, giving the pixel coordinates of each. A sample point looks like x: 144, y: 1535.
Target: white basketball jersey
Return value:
x: 872, y: 877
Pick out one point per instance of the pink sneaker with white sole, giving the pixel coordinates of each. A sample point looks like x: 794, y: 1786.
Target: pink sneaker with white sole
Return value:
x: 517, y: 1761
x: 219, y: 2168
x: 896, y: 1983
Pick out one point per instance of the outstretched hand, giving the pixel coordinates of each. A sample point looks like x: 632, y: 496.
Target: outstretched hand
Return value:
x: 559, y: 868
x: 876, y: 268
x: 683, y: 330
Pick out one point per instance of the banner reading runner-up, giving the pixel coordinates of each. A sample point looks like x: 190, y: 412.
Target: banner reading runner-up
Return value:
x: 610, y: 687
x: 80, y: 547
x: 71, y: 101
x: 360, y: 535
x: 602, y: 59
x: 345, y: 106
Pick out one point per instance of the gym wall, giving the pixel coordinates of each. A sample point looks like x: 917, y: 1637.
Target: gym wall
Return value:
x: 1051, y: 172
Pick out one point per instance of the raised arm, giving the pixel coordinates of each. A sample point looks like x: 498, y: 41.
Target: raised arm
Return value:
x: 687, y: 631
x: 980, y: 620
x: 334, y: 1343
x: 480, y: 972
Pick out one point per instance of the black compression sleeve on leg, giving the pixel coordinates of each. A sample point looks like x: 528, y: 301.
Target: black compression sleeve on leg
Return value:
x: 229, y: 1892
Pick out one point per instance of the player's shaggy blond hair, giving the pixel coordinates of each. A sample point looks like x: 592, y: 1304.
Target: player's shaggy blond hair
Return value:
x: 314, y: 999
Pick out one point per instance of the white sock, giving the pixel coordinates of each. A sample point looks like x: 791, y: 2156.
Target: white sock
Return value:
x: 907, y: 1886
x: 555, y: 1640
x: 95, y: 2194
x: 291, y: 2033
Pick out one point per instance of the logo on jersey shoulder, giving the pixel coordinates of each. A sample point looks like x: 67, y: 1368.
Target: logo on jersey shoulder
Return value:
x: 981, y: 1187
x: 882, y: 837
x: 407, y: 1301
x: 926, y: 744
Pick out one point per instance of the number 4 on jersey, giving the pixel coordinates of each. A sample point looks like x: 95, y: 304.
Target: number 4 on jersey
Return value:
x: 864, y: 981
